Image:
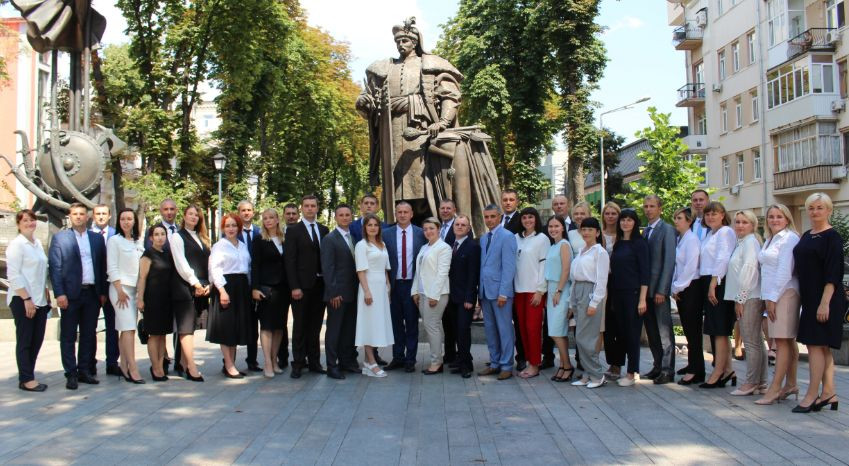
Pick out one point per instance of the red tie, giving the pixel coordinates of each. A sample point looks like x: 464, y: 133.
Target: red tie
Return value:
x: 403, y: 254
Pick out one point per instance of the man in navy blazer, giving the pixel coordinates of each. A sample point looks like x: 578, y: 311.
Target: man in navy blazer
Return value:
x: 247, y: 235
x: 368, y: 205
x: 498, y: 268
x: 447, y: 214
x: 77, y: 264
x: 101, y: 214
x: 463, y: 280
x: 403, y: 241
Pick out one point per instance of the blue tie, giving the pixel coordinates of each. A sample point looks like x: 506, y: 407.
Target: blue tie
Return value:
x: 488, y: 240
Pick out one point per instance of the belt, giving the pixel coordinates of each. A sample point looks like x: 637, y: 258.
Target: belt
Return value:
x: 403, y: 279
x: 87, y: 287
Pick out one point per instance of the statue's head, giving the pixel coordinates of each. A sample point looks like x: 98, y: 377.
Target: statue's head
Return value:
x: 408, y: 38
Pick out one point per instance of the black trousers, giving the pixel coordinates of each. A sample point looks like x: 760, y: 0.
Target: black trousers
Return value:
x: 628, y: 324
x: 463, y: 329
x: 307, y: 318
x: 449, y: 324
x: 339, y: 335
x: 111, y: 335
x: 80, y: 315
x: 283, y: 352
x: 614, y: 353
x: 29, y: 334
x: 254, y: 336
x: 691, y: 312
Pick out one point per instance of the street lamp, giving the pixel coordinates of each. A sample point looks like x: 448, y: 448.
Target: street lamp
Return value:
x: 601, y: 140
x: 220, y: 161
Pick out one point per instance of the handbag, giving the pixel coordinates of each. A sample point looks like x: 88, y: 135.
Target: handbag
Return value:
x: 142, y: 333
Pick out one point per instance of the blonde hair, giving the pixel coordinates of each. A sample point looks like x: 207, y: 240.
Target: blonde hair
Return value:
x: 583, y: 205
x: 266, y: 234
x: 822, y: 197
x: 200, y: 228
x: 752, y: 219
x: 433, y: 221
x: 791, y: 225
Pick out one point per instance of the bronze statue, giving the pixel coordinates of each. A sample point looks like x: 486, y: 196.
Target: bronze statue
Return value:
x: 419, y: 153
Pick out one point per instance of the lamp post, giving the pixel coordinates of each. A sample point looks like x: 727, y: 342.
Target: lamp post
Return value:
x: 601, y: 140
x: 220, y: 161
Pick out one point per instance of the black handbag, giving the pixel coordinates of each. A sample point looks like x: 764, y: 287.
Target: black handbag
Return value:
x: 143, y: 336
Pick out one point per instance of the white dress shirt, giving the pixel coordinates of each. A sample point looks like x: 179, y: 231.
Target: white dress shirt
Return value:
x: 178, y: 251
x: 85, y: 256
x: 277, y: 243
x: 651, y: 227
x: 699, y: 229
x: 686, y: 262
x: 227, y: 259
x: 776, y: 259
x: 445, y: 228
x: 744, y: 279
x: 309, y: 225
x: 716, y: 250
x: 530, y: 263
x: 170, y: 228
x: 592, y: 265
x: 410, y: 257
x: 26, y: 267
x: 122, y: 259
x: 346, y: 235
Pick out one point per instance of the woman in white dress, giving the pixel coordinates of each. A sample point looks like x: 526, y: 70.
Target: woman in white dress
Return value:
x: 374, y: 322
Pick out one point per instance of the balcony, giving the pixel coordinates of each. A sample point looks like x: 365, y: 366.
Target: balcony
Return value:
x: 691, y: 95
x: 816, y: 178
x: 687, y: 37
x: 812, y: 40
x: 696, y: 143
x: 808, y: 106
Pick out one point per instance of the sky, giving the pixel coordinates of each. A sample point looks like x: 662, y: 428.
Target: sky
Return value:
x: 642, y: 60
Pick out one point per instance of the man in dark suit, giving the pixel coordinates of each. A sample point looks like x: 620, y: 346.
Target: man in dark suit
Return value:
x: 661, y: 238
x: 463, y: 280
x: 303, y: 269
x: 340, y: 294
x: 101, y: 214
x: 77, y: 262
x: 368, y: 205
x: 403, y: 241
x: 291, y: 214
x: 447, y: 213
x: 247, y: 235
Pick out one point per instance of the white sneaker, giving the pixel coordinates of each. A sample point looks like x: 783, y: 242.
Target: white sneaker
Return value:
x: 580, y: 382
x: 597, y: 384
x: 626, y: 382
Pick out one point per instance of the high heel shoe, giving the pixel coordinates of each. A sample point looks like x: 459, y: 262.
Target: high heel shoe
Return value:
x: 769, y: 401
x: 818, y: 406
x: 126, y: 376
x: 230, y: 376
x: 695, y: 380
x: 158, y: 379
x: 804, y: 409
x: 188, y: 376
x: 721, y: 382
x: 786, y: 394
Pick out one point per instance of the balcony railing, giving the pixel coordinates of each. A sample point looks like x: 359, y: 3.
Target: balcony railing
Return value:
x: 814, y: 39
x: 687, y: 37
x: 691, y: 94
x: 808, y: 176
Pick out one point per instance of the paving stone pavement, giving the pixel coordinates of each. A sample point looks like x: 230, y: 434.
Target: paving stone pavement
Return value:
x: 402, y: 419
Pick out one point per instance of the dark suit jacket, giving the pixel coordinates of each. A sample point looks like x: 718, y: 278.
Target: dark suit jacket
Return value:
x: 339, y: 268
x: 65, y: 264
x: 661, y: 258
x: 464, y: 275
x: 392, y: 249
x: 255, y: 233
x: 302, y: 257
x: 267, y: 266
x: 110, y: 232
x: 515, y: 224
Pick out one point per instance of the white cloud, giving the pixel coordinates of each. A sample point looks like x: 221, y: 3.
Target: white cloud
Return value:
x: 625, y: 23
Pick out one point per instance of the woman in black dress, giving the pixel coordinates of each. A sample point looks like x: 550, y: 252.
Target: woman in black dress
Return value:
x: 818, y: 259
x: 270, y: 289
x: 229, y: 316
x: 153, y: 298
x: 190, y: 248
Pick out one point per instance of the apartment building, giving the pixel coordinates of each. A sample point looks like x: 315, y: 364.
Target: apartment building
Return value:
x: 765, y: 93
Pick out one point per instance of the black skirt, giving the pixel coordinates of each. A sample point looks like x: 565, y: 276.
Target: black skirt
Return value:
x: 719, y: 319
x: 273, y: 311
x: 230, y: 326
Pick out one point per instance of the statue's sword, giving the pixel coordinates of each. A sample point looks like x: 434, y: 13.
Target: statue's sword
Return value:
x: 388, y: 159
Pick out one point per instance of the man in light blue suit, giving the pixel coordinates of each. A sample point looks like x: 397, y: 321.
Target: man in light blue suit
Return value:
x: 498, y: 267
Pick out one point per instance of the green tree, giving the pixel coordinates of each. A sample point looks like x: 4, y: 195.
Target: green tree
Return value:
x: 666, y: 170
x: 614, y: 184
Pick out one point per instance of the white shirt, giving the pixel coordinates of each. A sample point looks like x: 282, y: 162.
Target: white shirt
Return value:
x: 410, y: 257
x: 26, y: 267
x: 85, y: 256
x: 228, y: 259
x: 309, y: 225
x: 651, y: 227
x: 122, y: 259
x: 445, y: 228
x: 248, y: 234
x: 592, y: 265
x: 716, y: 250
x: 178, y: 251
x: 530, y: 263
x: 170, y: 228
x: 686, y: 262
x: 776, y: 259
x: 459, y: 241
x: 699, y: 229
x: 744, y: 279
x: 346, y: 235
x: 609, y: 241
x: 277, y: 243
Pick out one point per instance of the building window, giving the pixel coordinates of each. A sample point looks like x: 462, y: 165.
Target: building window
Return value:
x: 701, y: 161
x: 721, y: 56
x: 841, y: 78
x: 723, y: 112
x: 808, y: 146
x: 750, y: 41
x: 699, y: 73
x: 725, y: 177
x: 719, y: 8
x: 735, y: 56
x: 834, y: 14
x: 775, y: 22
x: 701, y: 123
x: 756, y: 164
x: 738, y: 113
x: 797, y: 79
x: 756, y: 110
x: 740, y: 165
x: 795, y: 17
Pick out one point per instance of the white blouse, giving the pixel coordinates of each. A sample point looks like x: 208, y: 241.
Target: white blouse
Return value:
x: 122, y: 259
x: 776, y: 259
x: 227, y: 259
x: 178, y: 251
x: 716, y: 250
x: 592, y: 265
x: 744, y: 279
x: 26, y: 267
x: 686, y: 262
x: 530, y: 263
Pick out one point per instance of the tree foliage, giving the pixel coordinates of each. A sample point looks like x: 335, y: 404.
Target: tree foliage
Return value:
x: 614, y: 184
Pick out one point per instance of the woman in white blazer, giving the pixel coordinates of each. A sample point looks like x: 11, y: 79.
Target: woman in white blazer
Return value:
x: 430, y: 289
x: 123, y: 251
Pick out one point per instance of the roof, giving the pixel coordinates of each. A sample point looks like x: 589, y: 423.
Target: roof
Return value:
x: 629, y: 163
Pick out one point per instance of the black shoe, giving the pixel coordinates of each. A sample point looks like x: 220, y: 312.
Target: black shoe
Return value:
x: 430, y: 372
x: 651, y: 375
x: 192, y: 378
x: 166, y: 364
x: 453, y: 364
x: 334, y: 373
x: 819, y: 405
x: 229, y: 375
x: 178, y: 369
x: 410, y: 367
x: 683, y: 370
x: 296, y: 372
x: 456, y: 370
x: 663, y: 378
x: 466, y: 373
x: 546, y: 364
x: 158, y: 379
x: 316, y: 368
x: 521, y: 365
x: 71, y: 383
x: 113, y: 370
x: 395, y: 364
x: 379, y: 361
x: 722, y: 381
x: 693, y: 381
x: 254, y: 367
x: 127, y: 378
x: 38, y: 388
x: 804, y: 409
x: 354, y: 369
x: 85, y: 378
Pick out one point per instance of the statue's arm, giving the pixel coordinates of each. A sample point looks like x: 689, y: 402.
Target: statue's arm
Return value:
x: 447, y: 91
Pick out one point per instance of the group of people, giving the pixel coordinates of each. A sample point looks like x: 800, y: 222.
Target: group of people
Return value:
x: 535, y: 282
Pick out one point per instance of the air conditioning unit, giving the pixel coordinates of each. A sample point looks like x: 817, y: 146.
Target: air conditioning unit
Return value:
x: 832, y: 36
x: 735, y: 190
x: 701, y: 18
x: 838, y: 105
x: 717, y: 88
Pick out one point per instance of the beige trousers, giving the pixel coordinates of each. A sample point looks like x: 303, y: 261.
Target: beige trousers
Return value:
x: 432, y: 319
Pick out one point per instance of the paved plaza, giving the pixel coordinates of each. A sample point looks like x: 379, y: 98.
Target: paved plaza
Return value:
x: 402, y: 419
